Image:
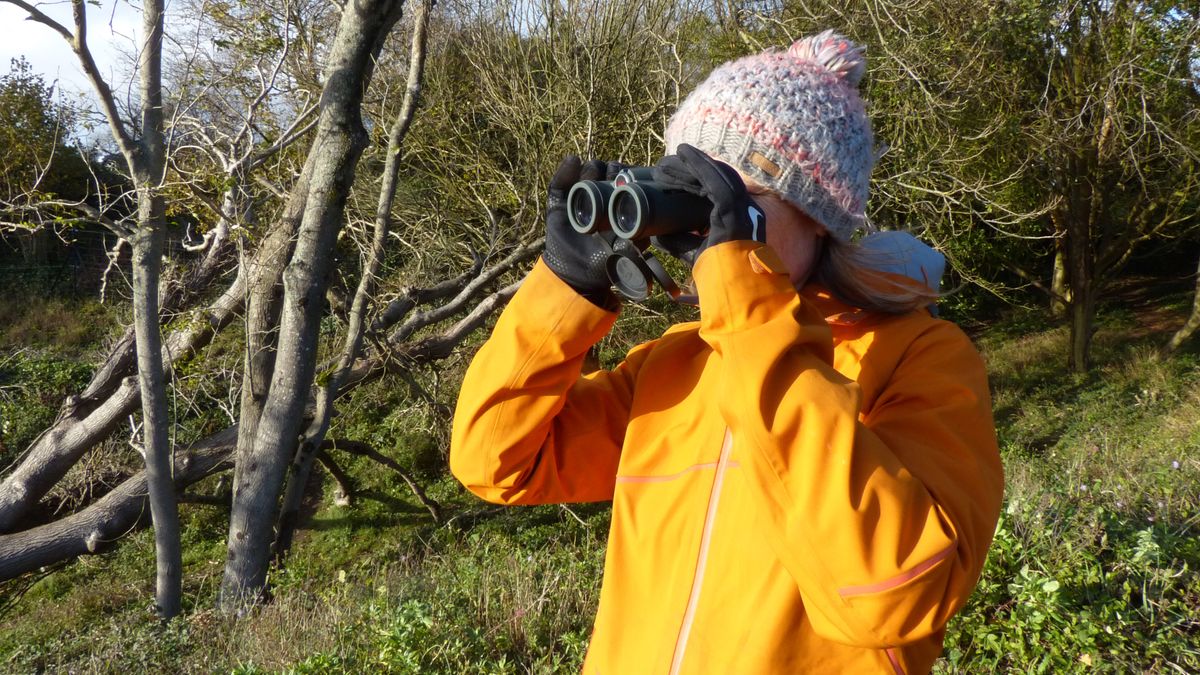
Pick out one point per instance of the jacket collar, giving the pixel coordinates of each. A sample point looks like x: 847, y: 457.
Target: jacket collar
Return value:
x: 836, y: 312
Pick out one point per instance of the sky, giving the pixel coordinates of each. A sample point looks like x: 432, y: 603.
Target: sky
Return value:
x: 113, y: 27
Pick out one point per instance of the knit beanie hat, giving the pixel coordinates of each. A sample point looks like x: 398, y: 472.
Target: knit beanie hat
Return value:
x: 793, y: 121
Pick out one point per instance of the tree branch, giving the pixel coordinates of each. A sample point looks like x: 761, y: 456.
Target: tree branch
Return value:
x: 365, y: 450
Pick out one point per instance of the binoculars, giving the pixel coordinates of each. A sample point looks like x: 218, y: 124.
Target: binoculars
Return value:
x: 634, y: 208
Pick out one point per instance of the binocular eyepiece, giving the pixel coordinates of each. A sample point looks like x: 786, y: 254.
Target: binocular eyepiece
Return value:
x: 634, y: 207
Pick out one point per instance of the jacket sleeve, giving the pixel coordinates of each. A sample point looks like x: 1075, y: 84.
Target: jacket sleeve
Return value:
x: 883, y: 522
x: 528, y: 428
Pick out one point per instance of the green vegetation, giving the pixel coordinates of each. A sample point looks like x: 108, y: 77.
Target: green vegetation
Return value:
x: 1094, y: 566
x: 1095, y: 561
x: 46, y: 346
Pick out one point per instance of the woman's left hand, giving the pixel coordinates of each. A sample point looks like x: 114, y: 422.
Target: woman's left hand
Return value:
x: 735, y: 216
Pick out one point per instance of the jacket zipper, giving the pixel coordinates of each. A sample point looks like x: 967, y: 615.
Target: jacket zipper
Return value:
x: 710, y: 518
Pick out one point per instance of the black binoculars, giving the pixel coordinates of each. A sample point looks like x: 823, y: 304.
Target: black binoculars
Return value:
x: 634, y: 207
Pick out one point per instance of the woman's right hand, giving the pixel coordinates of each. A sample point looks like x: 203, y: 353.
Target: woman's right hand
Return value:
x: 578, y: 259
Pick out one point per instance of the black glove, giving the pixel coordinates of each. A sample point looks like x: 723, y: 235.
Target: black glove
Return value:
x: 578, y: 259
x: 735, y: 216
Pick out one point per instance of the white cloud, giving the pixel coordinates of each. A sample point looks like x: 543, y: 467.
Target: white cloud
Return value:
x: 113, y: 29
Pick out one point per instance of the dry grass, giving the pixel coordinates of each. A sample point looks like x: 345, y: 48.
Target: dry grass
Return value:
x: 68, y: 324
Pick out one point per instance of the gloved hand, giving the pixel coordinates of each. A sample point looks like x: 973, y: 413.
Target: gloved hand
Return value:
x: 578, y: 259
x: 734, y: 217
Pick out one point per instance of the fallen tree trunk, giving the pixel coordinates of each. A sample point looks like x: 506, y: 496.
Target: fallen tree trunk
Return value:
x: 73, y: 434
x: 97, y: 527
x: 125, y: 509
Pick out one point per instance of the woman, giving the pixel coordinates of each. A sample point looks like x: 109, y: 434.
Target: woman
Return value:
x: 805, y: 480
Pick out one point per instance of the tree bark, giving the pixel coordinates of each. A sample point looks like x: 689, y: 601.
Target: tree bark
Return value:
x: 1081, y: 277
x: 1060, y: 293
x: 315, y: 434
x: 339, y: 141
x: 147, y: 256
x: 265, y: 273
x: 148, y: 167
x: 100, y: 525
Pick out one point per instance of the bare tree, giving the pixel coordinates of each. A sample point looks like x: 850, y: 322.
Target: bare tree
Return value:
x: 96, y: 413
x: 201, y: 151
x: 1118, y: 120
x: 452, y: 309
x: 314, y: 435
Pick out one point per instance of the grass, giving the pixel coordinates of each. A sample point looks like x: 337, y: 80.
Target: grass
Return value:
x: 1094, y: 565
x: 47, y: 342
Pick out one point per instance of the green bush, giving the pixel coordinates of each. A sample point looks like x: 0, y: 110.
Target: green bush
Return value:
x: 32, y: 387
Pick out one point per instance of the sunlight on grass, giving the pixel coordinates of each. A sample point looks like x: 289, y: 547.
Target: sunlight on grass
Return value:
x: 1095, y: 561
x: 1094, y: 565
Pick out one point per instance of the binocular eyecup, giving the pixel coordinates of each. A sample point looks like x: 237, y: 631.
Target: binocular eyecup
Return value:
x: 587, y: 206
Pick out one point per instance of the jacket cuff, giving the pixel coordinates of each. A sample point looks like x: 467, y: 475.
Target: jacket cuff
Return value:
x: 546, y: 300
x: 742, y: 284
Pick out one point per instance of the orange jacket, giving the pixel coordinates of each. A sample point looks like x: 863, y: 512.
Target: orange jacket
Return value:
x: 796, y: 486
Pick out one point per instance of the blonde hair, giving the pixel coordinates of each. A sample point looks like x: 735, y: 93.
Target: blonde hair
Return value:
x: 852, y: 274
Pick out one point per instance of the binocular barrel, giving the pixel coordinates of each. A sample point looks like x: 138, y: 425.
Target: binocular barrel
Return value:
x: 642, y: 210
x: 633, y: 206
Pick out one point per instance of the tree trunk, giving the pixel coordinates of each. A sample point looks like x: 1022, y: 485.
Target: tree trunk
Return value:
x: 315, y: 434
x: 1060, y: 292
x: 265, y: 272
x: 262, y: 315
x: 111, y: 517
x: 148, y: 168
x: 1081, y: 278
x: 339, y: 141
x: 1193, y: 322
x: 1083, y: 314
x: 147, y: 259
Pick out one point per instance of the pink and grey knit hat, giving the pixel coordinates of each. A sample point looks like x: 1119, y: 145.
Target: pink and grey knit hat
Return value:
x: 793, y: 121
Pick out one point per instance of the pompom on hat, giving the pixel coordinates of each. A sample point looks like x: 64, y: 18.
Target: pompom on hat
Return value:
x: 792, y: 121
